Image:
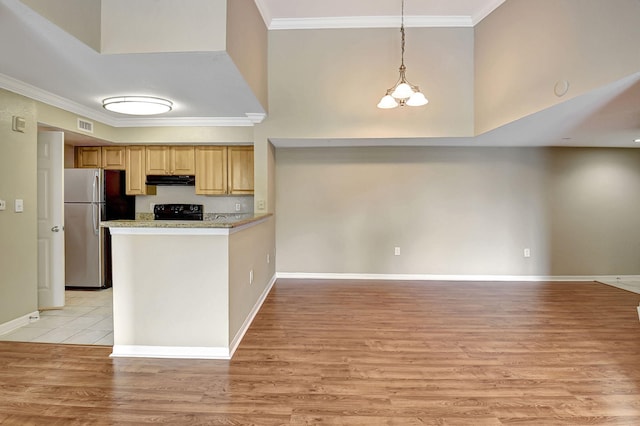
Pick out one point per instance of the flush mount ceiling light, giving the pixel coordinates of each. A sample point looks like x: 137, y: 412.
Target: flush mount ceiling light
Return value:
x: 402, y: 93
x: 137, y: 105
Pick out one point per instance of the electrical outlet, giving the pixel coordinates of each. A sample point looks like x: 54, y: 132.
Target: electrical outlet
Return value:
x: 260, y: 204
x: 238, y: 207
x: 396, y: 251
x: 3, y: 205
x: 251, y: 276
x: 527, y: 252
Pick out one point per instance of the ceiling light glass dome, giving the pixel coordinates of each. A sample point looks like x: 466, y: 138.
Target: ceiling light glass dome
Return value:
x: 137, y: 105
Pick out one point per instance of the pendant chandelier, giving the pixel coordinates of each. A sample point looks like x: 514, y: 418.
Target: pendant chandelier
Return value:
x: 402, y: 93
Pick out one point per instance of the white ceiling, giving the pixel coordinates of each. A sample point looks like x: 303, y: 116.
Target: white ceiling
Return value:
x: 39, y: 60
x: 52, y: 66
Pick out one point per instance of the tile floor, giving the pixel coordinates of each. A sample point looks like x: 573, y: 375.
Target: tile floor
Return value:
x: 87, y: 319
x: 629, y: 285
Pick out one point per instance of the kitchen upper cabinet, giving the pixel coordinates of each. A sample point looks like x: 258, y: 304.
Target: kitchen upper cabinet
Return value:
x: 219, y: 170
x: 157, y: 160
x: 170, y: 160
x: 113, y: 157
x: 211, y: 170
x: 224, y: 170
x: 183, y: 160
x: 100, y: 157
x: 240, y: 170
x: 135, y: 158
x: 89, y: 157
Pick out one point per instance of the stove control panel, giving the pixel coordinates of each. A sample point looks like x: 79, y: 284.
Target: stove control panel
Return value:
x: 178, y: 212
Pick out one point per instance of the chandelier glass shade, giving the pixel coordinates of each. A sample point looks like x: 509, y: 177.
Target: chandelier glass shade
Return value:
x: 137, y: 105
x: 402, y: 93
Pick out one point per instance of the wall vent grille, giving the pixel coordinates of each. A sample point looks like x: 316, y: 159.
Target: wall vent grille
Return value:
x: 85, y: 126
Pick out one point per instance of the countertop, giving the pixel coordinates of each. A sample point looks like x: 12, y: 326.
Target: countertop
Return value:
x: 223, y: 220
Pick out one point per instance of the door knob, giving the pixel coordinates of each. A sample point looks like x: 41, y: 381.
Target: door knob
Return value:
x: 55, y: 229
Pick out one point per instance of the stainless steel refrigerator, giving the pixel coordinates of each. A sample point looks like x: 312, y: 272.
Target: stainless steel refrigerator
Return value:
x: 90, y: 196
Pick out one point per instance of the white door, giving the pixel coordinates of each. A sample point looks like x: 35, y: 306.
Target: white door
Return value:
x: 50, y: 220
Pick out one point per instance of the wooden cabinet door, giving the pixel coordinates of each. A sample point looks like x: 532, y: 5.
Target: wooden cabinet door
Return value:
x: 170, y: 160
x: 240, y: 170
x: 183, y: 160
x: 88, y: 157
x: 158, y: 160
x: 211, y: 170
x: 135, y: 157
x: 113, y: 157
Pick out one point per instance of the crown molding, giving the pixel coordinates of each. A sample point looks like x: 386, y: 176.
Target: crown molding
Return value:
x: 32, y: 92
x: 369, y: 22
x: 256, y: 117
x: 24, y: 89
x: 249, y: 120
x: 264, y: 12
x: 486, y: 11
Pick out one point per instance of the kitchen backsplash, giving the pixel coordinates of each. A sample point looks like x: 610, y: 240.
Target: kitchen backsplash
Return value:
x: 185, y: 194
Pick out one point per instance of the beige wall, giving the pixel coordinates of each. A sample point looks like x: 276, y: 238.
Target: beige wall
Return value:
x: 64, y: 120
x: 80, y: 18
x: 524, y: 47
x: 18, y: 231
x: 144, y: 26
x: 248, y: 250
x: 247, y: 46
x: 264, y: 171
x: 594, y: 211
x: 327, y: 83
x: 141, y: 26
x: 458, y: 211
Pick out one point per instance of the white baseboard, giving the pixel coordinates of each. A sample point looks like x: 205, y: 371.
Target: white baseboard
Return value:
x: 247, y: 322
x: 9, y: 326
x: 429, y: 277
x: 184, y: 352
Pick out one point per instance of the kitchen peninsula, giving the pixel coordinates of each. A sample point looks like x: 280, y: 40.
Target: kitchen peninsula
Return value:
x: 188, y: 289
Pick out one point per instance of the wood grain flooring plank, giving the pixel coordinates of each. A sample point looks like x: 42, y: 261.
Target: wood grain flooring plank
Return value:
x: 364, y: 353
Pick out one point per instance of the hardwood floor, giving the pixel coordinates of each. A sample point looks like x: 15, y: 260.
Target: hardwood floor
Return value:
x: 364, y: 353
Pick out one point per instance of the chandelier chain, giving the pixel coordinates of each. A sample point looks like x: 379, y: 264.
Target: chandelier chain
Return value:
x: 402, y: 32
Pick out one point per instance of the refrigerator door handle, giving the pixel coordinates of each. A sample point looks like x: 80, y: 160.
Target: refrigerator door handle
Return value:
x: 96, y: 183
x: 94, y: 216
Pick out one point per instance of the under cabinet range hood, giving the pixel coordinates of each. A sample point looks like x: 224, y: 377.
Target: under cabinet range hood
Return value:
x: 175, y: 180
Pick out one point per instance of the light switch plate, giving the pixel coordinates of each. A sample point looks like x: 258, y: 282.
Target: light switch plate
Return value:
x: 19, y: 206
